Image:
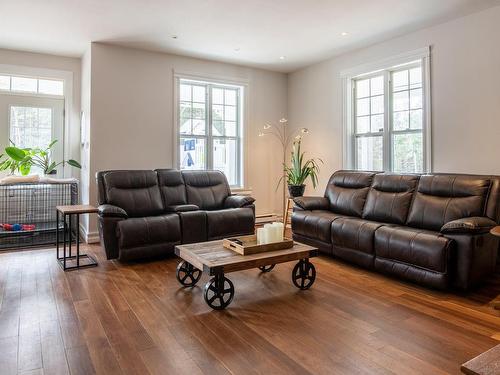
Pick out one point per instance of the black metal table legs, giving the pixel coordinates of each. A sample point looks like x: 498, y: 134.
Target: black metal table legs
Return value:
x: 68, y: 261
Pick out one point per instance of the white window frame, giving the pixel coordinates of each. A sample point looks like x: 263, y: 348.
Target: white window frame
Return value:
x: 67, y: 78
x: 422, y: 56
x: 215, y: 81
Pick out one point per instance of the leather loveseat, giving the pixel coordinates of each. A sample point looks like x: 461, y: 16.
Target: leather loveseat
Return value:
x: 145, y: 213
x: 430, y: 229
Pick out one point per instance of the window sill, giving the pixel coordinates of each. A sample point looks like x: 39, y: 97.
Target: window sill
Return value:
x: 241, y: 191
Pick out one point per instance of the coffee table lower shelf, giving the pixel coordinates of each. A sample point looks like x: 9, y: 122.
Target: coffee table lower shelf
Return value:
x: 214, y: 259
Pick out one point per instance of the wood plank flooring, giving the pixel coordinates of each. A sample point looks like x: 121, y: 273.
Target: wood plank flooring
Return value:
x: 135, y: 319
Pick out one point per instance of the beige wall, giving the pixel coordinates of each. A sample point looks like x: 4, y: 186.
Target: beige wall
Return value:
x: 465, y: 75
x: 131, y: 109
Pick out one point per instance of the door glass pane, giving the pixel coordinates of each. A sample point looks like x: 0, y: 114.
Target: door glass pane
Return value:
x: 226, y: 158
x: 4, y: 83
x: 192, y: 153
x: 369, y: 153
x: 30, y: 126
x: 50, y: 87
x: 408, y: 153
x: 24, y: 84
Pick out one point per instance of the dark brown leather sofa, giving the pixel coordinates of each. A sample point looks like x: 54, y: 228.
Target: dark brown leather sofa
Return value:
x: 430, y: 229
x: 144, y: 213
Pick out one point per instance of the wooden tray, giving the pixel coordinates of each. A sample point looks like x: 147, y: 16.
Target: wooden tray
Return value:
x: 246, y: 245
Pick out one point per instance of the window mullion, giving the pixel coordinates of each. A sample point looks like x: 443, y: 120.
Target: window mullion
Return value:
x: 208, y: 130
x: 387, y: 162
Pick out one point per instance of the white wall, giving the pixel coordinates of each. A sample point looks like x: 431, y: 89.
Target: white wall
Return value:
x: 58, y: 63
x: 465, y: 75
x: 132, y: 127
x: 86, y: 180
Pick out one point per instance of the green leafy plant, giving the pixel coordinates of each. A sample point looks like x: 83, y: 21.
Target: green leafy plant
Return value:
x: 300, y: 170
x: 22, y: 160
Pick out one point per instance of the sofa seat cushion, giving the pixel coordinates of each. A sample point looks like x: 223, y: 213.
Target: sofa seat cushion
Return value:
x: 421, y: 248
x: 354, y: 233
x: 231, y: 221
x: 150, y: 230
x: 315, y: 224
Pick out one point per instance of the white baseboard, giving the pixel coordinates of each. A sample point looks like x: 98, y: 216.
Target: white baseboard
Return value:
x: 89, y: 237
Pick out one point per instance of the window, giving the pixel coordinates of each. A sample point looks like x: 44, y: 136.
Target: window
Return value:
x: 31, y: 85
x: 386, y: 119
x: 209, y: 123
x: 30, y: 126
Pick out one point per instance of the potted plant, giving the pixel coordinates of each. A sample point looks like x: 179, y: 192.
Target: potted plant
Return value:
x: 300, y: 170
x: 23, y: 159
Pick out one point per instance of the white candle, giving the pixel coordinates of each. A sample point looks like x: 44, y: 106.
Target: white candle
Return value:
x: 261, y: 236
x: 268, y: 233
x: 279, y: 230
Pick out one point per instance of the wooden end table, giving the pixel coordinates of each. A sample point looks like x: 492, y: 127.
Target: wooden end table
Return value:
x: 496, y: 232
x: 216, y: 260
x: 79, y: 260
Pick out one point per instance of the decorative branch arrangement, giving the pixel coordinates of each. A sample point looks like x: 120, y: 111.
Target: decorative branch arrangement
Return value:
x: 279, y: 131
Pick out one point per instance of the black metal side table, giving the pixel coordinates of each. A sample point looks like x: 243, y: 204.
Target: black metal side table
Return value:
x: 69, y: 261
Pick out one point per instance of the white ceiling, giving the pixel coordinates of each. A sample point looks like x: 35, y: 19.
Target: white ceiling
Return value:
x: 304, y: 31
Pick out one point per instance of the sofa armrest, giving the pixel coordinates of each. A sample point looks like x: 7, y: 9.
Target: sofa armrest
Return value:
x: 108, y: 210
x: 468, y: 225
x: 237, y: 201
x: 182, y: 208
x: 312, y: 203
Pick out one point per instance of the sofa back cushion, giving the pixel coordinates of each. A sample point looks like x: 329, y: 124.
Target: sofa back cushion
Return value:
x: 390, y: 197
x: 135, y: 191
x: 172, y: 188
x: 347, y: 191
x: 206, y: 189
x: 442, y: 198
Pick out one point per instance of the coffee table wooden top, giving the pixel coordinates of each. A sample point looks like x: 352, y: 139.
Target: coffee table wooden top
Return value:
x: 76, y: 209
x: 212, y: 257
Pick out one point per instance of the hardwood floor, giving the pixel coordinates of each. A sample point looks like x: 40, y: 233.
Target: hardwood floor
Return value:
x: 134, y: 318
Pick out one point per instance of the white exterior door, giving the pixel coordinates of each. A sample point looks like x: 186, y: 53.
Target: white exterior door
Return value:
x: 32, y: 121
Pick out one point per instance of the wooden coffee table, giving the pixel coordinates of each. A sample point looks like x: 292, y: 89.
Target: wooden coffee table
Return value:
x: 214, y: 259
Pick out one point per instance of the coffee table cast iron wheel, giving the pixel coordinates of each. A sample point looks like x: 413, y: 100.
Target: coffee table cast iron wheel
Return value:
x: 219, y: 290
